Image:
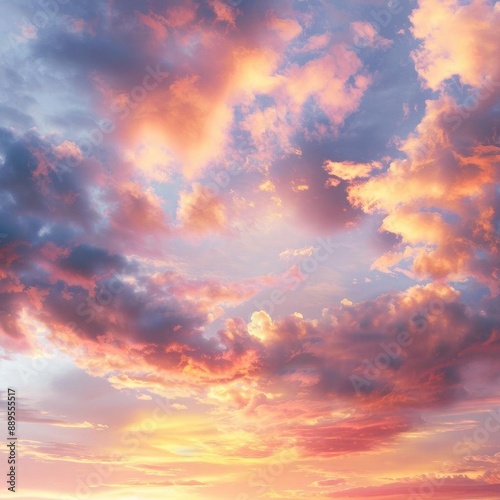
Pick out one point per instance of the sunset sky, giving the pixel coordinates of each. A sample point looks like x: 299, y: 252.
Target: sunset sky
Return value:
x: 250, y: 249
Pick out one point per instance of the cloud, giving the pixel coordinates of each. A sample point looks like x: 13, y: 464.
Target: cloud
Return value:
x: 326, y: 80
x: 177, y: 406
x: 442, y: 486
x: 457, y: 39
x: 201, y: 211
x: 365, y: 35
x: 289, y: 254
x: 43, y: 417
x: 223, y: 12
x: 426, y: 198
x: 288, y: 29
x: 350, y: 170
x: 118, y: 251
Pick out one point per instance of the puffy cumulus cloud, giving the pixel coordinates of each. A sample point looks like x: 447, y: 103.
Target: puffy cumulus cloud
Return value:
x: 68, y: 199
x: 229, y: 79
x: 349, y: 170
x: 310, y: 370
x: 311, y: 100
x: 441, y: 199
x: 192, y: 124
x: 134, y: 323
x: 446, y: 185
x: 170, y: 343
x: 149, y: 331
x: 336, y: 80
x: 66, y: 255
x: 221, y: 76
x: 427, y: 227
x: 411, y: 348
x: 354, y: 335
x: 200, y: 212
x: 365, y: 328
x: 261, y: 327
x: 100, y: 305
x: 191, y: 112
x: 39, y: 216
x: 457, y: 39
x: 31, y: 185
x: 80, y: 265
x: 67, y: 149
x: 192, y: 116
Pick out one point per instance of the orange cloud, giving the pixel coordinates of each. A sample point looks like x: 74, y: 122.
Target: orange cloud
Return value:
x: 288, y: 29
x: 201, y: 212
x: 349, y: 170
x: 223, y: 12
x: 325, y: 78
x: 138, y: 211
x: 436, y: 181
x: 457, y: 39
x: 181, y: 14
